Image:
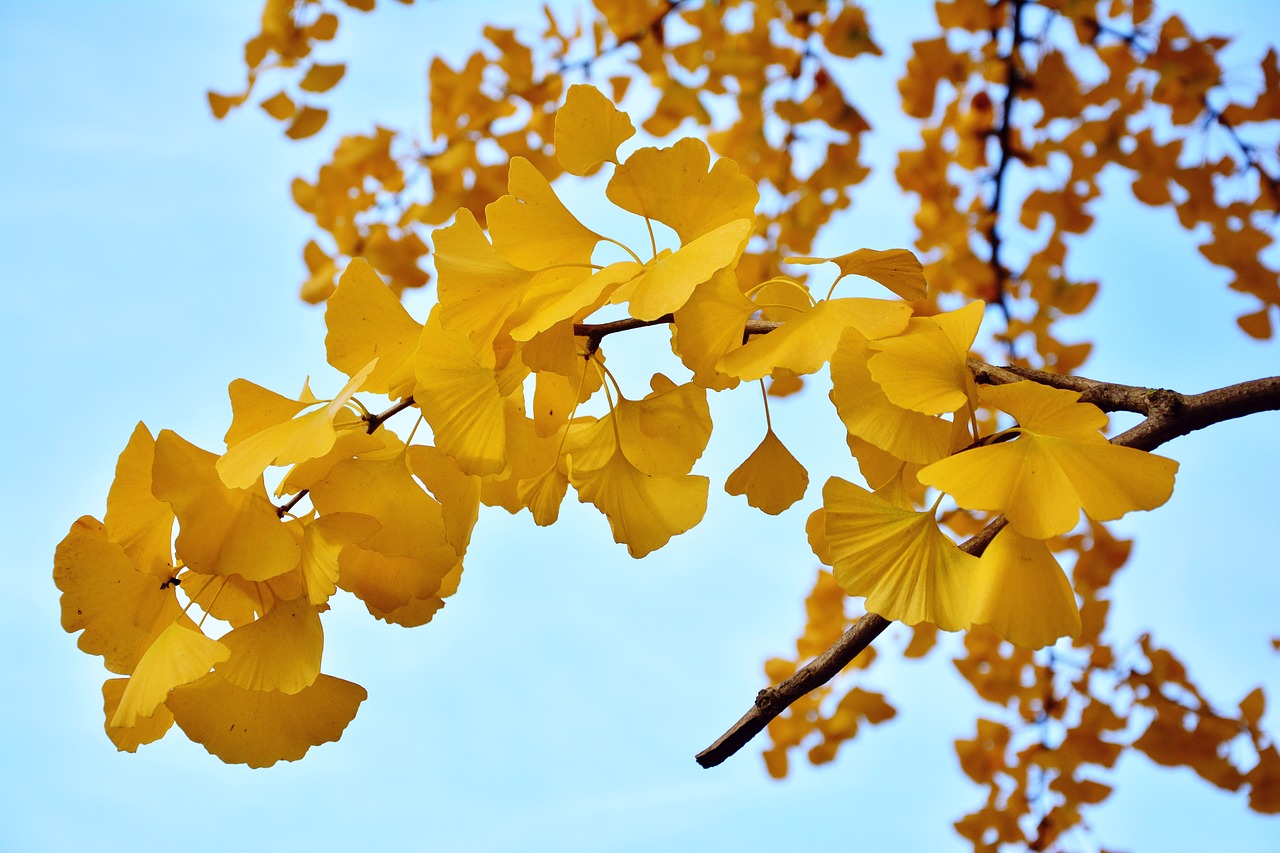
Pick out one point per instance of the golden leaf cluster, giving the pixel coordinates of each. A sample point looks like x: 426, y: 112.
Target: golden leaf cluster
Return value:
x: 1020, y: 107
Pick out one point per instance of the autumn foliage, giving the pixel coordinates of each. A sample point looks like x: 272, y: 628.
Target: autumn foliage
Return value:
x: 985, y: 489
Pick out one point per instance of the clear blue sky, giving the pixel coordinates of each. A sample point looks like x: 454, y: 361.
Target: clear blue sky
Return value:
x: 151, y: 255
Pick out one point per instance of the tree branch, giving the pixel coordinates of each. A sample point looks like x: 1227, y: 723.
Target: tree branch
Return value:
x: 596, y: 332
x: 1168, y: 416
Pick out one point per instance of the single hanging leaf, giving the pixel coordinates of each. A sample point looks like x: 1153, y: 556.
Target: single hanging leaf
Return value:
x: 667, y: 282
x: 770, y: 478
x: 322, y: 78
x: 868, y: 415
x: 644, y: 511
x: 925, y: 368
x: 588, y: 130
x: 299, y: 440
x: 805, y: 344
x: 144, y: 729
x: 709, y: 325
x: 307, y: 122
x: 532, y: 228
x: 458, y: 393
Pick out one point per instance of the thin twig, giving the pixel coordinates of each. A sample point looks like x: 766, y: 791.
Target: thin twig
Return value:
x: 596, y: 332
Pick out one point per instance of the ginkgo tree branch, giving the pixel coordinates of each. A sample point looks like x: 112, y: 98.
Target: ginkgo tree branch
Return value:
x: 1168, y: 416
x: 596, y: 332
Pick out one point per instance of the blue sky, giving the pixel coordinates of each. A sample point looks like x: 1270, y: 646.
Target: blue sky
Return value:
x: 151, y: 255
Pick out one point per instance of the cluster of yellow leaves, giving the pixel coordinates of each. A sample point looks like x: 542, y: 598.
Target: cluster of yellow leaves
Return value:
x: 909, y: 402
x: 255, y: 694
x: 998, y: 92
x: 289, y: 31
x: 391, y: 520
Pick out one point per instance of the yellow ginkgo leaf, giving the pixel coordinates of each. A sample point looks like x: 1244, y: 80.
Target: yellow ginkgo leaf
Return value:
x: 365, y: 321
x: 588, y: 130
x: 120, y: 609
x: 1048, y: 411
x: 1042, y: 481
x: 1022, y: 593
x: 479, y: 289
x: 322, y: 78
x: 549, y: 301
x: 666, y: 283
x: 771, y: 478
x: 419, y: 611
x: 227, y: 597
x: 410, y: 554
x: 661, y: 435
x: 644, y: 511
x: 322, y: 543
x: 805, y: 344
x: 906, y: 567
x: 673, y: 186
x: 925, y: 369
x: 458, y: 493
x: 543, y: 493
x: 307, y: 121
x: 460, y: 398
x: 897, y: 269
x: 532, y: 228
x: 221, y: 530
x: 259, y: 727
x: 815, y: 529
x: 298, y: 440
x: 667, y: 431
x: 867, y: 413
x: 709, y: 325
x: 350, y: 444
x: 535, y: 479
x: 135, y: 519
x: 279, y: 651
x: 254, y: 408
x: 179, y: 655
x: 144, y: 729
